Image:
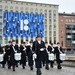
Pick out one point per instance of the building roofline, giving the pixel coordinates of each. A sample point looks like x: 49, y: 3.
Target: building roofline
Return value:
x: 67, y: 14
x: 32, y: 2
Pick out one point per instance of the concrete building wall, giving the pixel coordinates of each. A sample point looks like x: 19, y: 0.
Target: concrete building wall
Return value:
x: 50, y: 12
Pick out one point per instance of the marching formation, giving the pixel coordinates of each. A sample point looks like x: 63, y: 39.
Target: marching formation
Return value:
x: 37, y: 53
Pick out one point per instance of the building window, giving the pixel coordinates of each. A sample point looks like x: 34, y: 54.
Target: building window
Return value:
x: 49, y: 11
x: 31, y: 10
x: 54, y: 33
x: 40, y: 4
x: 36, y: 10
x: 45, y: 21
x: 72, y: 20
x: 61, y: 36
x: 0, y: 6
x: 45, y: 39
x: 54, y: 41
x: 50, y: 38
x: 54, y: 11
x: 62, y: 43
x: 61, y: 31
x: 16, y: 8
x: 6, y: 40
x: 0, y: 14
x: 41, y: 11
x: 21, y: 2
x: 16, y: 2
x: 11, y: 8
x: 6, y: 7
x: 45, y: 33
x: 21, y: 9
x: 45, y: 27
x: 50, y: 27
x: 54, y: 26
x: 26, y: 9
x: 0, y: 20
x: 54, y: 20
x: 50, y: 33
x: 68, y: 27
x: 50, y: 15
x: 67, y: 20
x: 54, y: 15
x: 45, y: 10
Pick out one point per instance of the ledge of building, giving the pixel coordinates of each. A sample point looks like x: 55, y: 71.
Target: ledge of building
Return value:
x: 69, y: 63
x: 70, y: 58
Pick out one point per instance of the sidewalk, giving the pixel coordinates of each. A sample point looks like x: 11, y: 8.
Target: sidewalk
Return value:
x: 53, y: 71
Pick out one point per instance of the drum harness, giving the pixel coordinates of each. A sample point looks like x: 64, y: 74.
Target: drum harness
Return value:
x: 14, y: 49
x: 24, y: 49
x: 59, y: 50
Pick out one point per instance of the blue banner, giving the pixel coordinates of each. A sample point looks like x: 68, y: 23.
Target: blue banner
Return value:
x: 22, y: 24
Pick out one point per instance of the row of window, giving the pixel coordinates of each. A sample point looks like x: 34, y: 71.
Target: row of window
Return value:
x: 36, y: 10
x: 50, y: 40
x: 50, y: 33
x: 71, y: 26
x: 69, y: 20
x: 33, y: 4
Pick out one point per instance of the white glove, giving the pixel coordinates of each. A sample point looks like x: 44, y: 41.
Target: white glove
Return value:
x: 34, y: 56
x: 15, y: 51
x: 48, y: 52
x: 24, y: 49
x: 42, y: 49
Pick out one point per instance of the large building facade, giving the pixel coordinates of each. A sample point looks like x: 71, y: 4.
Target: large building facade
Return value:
x: 67, y: 30
x: 23, y: 21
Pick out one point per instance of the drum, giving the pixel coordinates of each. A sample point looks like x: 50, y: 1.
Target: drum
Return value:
x: 34, y: 56
x: 51, y: 57
x: 17, y: 56
x: 1, y: 57
x: 62, y: 56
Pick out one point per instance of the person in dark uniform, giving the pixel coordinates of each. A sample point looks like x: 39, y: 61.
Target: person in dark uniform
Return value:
x: 13, y: 49
x: 58, y: 50
x: 7, y: 49
x: 23, y: 54
x: 38, y: 47
x: 4, y: 57
x: 30, y: 55
x: 52, y: 51
x: 1, y: 51
x: 48, y: 50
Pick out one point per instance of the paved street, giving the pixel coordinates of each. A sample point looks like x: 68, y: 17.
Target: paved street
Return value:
x: 54, y: 71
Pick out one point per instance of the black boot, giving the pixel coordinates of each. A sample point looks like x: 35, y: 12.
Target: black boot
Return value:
x: 59, y: 66
x: 47, y: 67
x: 13, y: 67
x: 51, y: 65
x: 3, y: 66
x: 31, y: 67
x: 38, y: 72
x: 23, y: 66
x: 17, y: 65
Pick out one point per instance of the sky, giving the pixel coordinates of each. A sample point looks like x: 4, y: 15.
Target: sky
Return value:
x: 67, y: 6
